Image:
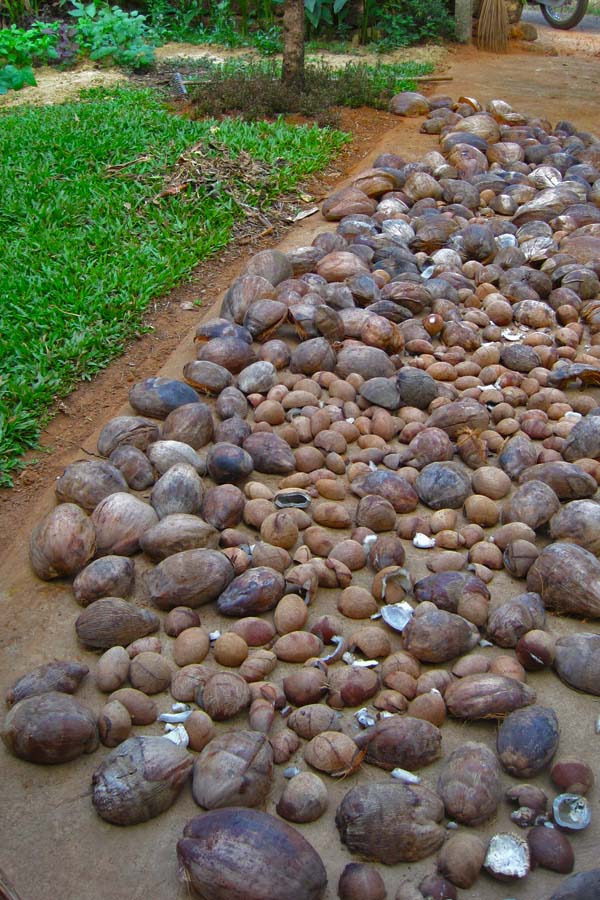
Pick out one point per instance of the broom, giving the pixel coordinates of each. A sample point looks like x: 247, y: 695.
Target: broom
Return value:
x: 492, y: 28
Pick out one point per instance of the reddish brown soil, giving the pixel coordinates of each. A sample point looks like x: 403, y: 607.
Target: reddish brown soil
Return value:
x: 53, y: 844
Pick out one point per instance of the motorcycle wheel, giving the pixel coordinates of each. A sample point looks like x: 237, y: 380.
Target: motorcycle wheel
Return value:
x: 566, y: 16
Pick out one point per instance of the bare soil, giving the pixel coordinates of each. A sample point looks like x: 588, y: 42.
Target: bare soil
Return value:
x: 53, y: 843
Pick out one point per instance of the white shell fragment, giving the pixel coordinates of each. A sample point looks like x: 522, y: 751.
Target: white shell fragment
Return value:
x: 214, y: 635
x: 365, y: 663
x: 406, y: 777
x: 291, y: 772
x: 337, y: 652
x: 399, y: 576
x: 507, y: 856
x: 509, y: 335
x: 292, y: 497
x: 364, y: 718
x: 423, y: 541
x: 175, y: 718
x: 303, y: 214
x: 397, y: 615
x: 571, y: 811
x: 178, y: 736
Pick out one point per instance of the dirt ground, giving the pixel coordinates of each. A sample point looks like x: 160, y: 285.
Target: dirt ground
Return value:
x: 54, y: 846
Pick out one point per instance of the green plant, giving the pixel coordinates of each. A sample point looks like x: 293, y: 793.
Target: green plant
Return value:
x: 15, y: 12
x: 174, y: 19
x: 403, y: 23
x: 36, y: 44
x: 113, y: 35
x: 322, y: 12
x: 267, y: 42
x: 90, y: 236
x: 13, y: 79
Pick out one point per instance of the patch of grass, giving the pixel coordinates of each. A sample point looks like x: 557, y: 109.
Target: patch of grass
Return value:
x: 254, y: 89
x: 88, y: 239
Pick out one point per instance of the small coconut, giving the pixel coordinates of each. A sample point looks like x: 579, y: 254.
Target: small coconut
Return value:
x: 507, y: 857
x: 114, y: 724
x: 150, y: 673
x: 180, y: 618
x: 331, y: 752
x: 258, y: 665
x: 230, y: 649
x: 572, y: 775
x: 461, y: 859
x: 141, y: 708
x: 63, y: 542
x: 112, y: 669
x: 110, y: 576
x: 191, y: 646
x: 290, y: 614
x: 224, y: 695
x: 284, y: 745
x: 360, y: 881
x: 200, y: 729
x: 304, y: 798
x: 187, y: 681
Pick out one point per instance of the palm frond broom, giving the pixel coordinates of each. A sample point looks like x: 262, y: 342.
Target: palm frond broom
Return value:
x: 492, y: 28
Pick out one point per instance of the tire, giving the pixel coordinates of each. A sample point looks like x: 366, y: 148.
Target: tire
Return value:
x: 567, y: 16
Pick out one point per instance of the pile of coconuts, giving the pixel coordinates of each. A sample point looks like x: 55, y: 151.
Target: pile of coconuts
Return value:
x: 368, y: 506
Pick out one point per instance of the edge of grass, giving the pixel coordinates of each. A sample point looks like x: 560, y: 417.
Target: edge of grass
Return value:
x: 85, y: 250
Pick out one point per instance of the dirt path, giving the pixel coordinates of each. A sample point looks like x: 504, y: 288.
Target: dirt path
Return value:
x: 585, y: 39
x: 53, y: 845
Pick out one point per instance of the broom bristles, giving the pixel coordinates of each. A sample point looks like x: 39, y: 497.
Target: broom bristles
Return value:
x: 492, y: 28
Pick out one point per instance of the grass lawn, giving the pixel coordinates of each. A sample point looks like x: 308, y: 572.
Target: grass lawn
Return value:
x: 84, y: 249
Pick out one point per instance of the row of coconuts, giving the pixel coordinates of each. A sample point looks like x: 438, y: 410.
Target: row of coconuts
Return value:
x: 405, y: 389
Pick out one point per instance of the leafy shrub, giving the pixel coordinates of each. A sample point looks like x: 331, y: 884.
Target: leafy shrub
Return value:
x: 175, y: 19
x: 325, y: 12
x: 66, y: 47
x: 113, y: 35
x: 403, y: 23
x: 13, y: 79
x: 21, y: 47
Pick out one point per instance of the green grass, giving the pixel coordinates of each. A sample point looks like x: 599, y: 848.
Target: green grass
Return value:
x: 84, y: 251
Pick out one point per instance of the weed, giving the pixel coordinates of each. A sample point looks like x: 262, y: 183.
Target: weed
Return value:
x: 255, y: 90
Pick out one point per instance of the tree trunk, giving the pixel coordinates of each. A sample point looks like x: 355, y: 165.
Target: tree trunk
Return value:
x: 292, y: 73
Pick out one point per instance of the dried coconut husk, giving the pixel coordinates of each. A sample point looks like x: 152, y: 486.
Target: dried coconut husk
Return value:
x: 567, y: 577
x: 391, y: 822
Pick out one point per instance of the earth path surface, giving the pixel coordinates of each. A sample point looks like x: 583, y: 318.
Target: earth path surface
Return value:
x: 53, y: 844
